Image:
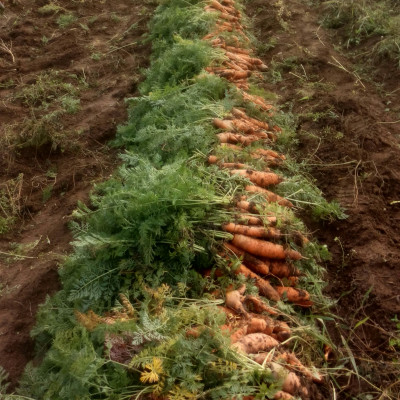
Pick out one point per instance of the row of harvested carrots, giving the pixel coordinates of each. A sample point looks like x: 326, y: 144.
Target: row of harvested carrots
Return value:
x: 253, y: 330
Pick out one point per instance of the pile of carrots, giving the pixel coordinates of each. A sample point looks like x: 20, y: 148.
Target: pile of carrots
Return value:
x: 253, y: 324
x: 256, y: 243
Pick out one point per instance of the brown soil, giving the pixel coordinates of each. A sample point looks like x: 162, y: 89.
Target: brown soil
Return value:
x: 102, y: 47
x: 348, y: 132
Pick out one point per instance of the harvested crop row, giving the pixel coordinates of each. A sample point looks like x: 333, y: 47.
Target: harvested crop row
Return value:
x: 188, y: 279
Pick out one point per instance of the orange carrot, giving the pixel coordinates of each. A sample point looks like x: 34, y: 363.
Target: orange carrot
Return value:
x: 239, y: 334
x: 258, y: 306
x: 215, y: 4
x: 249, y: 219
x: 255, y: 342
x: 263, y: 248
x: 253, y: 263
x: 281, y: 395
x: 248, y: 206
x: 268, y: 152
x: 233, y: 301
x: 257, y: 232
x: 237, y: 50
x: 259, y: 325
x: 260, y: 358
x: 228, y: 17
x: 263, y: 286
x: 212, y: 159
x: 283, y: 270
x: 258, y: 177
x: 223, y: 124
x: 297, y: 365
x: 234, y: 74
x: 270, y: 196
x: 292, y: 294
x: 236, y: 67
x: 229, y: 137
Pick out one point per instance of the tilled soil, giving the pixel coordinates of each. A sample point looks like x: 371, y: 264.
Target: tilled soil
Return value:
x: 349, y: 134
x: 103, y: 47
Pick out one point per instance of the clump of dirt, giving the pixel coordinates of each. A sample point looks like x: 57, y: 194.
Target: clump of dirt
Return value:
x: 350, y: 136
x: 74, y: 65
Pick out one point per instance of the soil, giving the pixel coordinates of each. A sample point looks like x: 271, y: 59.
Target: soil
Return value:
x: 104, y: 48
x: 348, y: 132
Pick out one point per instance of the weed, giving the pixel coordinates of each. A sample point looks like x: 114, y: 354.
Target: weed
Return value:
x: 10, y: 202
x: 46, y: 89
x: 66, y: 20
x: 47, y: 193
x: 96, y: 56
x: 7, y: 84
x: 51, y: 8
x: 70, y: 104
x: 362, y: 19
x: 395, y: 340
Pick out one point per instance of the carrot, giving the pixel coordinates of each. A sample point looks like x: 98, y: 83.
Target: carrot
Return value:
x: 249, y: 219
x: 282, y: 336
x: 244, y: 126
x: 258, y: 232
x: 255, y: 342
x: 233, y: 301
x: 248, y: 206
x: 260, y: 358
x: 258, y: 177
x: 291, y: 384
x: 228, y: 17
x: 297, y: 365
x: 223, y: 124
x: 233, y: 74
x: 241, y: 114
x: 281, y: 395
x: 259, y: 325
x: 234, y: 66
x: 281, y: 326
x: 253, y: 263
x: 268, y: 152
x: 237, y: 50
x: 283, y: 270
x: 229, y: 137
x: 215, y: 4
x: 292, y: 294
x: 258, y: 306
x: 263, y: 286
x: 263, y: 248
x: 239, y: 334
x: 270, y: 196
x: 212, y: 159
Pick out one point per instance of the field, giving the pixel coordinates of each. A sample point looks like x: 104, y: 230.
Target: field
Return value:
x: 148, y: 255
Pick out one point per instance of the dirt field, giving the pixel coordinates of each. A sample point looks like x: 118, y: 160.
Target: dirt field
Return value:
x: 100, y: 53
x: 347, y: 130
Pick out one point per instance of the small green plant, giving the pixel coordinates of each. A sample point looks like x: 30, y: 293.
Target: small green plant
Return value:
x: 66, y: 20
x: 8, y: 84
x: 70, y: 104
x: 10, y: 202
x: 395, y: 340
x: 47, y: 193
x: 51, y: 8
x: 46, y: 89
x: 96, y: 56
